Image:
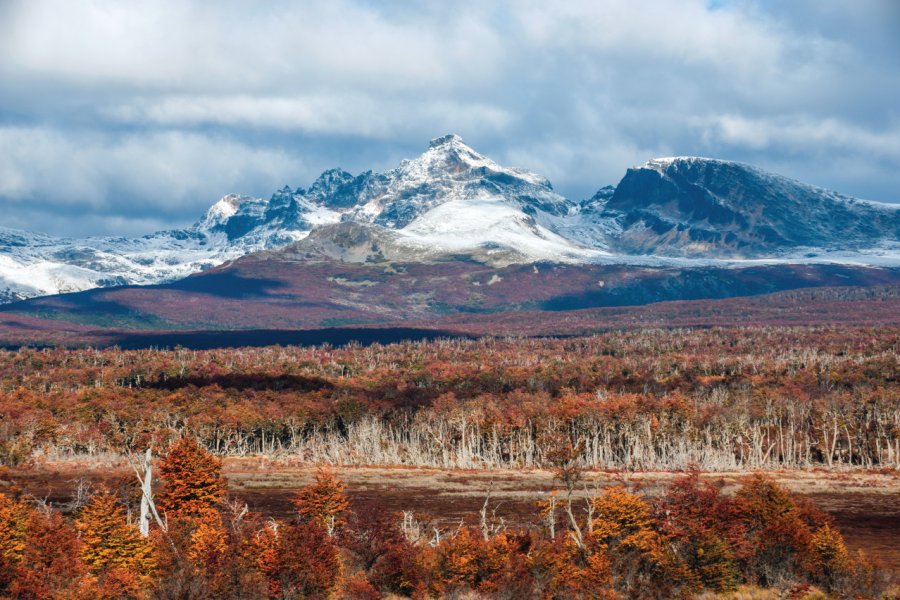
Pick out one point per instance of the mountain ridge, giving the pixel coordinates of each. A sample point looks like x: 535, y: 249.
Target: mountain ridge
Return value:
x: 693, y: 205
x: 452, y: 201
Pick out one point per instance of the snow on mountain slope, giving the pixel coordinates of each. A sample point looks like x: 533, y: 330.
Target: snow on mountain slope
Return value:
x: 55, y: 265
x: 485, y: 223
x: 452, y: 199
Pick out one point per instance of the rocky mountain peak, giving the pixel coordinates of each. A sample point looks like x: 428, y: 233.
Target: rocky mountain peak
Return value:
x: 328, y: 183
x: 446, y: 156
x: 446, y: 140
x: 223, y: 210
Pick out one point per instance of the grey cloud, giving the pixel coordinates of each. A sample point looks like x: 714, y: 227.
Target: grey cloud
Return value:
x: 129, y: 177
x: 320, y: 114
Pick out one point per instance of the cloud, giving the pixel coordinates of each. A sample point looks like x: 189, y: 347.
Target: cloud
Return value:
x: 162, y: 176
x: 802, y: 135
x: 150, y: 110
x: 197, y: 46
x: 361, y: 115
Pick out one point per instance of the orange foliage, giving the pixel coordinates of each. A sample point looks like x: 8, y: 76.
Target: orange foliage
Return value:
x: 466, y: 561
x: 358, y: 587
x: 194, y: 485
x: 690, y: 539
x: 831, y: 563
x: 262, y: 549
x: 51, y: 564
x: 14, y: 519
x: 621, y: 517
x: 323, y: 502
x: 644, y: 564
x: 804, y: 397
x: 560, y: 569
x: 773, y: 540
x: 307, y: 564
x: 209, y: 543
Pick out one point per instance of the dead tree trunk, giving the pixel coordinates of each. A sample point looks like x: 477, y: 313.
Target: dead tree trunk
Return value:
x: 146, y: 494
x: 148, y: 508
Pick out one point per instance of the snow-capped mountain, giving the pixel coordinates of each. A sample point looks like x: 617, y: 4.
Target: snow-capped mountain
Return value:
x: 701, y: 207
x: 450, y: 171
x: 38, y: 265
x: 452, y: 201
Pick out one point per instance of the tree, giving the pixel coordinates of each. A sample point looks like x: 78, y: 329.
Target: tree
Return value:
x: 14, y: 519
x: 696, y: 518
x: 643, y: 563
x: 558, y: 568
x: 307, y: 565
x: 457, y: 561
x: 621, y: 518
x: 382, y: 551
x: 773, y: 538
x: 831, y: 563
x: 51, y: 564
x: 194, y: 486
x: 323, y: 502
x: 108, y: 541
x: 209, y: 544
x: 565, y: 458
x: 358, y: 587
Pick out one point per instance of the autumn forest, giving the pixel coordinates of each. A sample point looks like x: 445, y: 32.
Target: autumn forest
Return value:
x: 690, y: 401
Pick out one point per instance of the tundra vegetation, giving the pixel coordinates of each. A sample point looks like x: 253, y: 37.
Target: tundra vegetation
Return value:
x: 683, y: 400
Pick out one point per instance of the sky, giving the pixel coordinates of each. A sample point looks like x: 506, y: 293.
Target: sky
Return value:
x: 122, y: 118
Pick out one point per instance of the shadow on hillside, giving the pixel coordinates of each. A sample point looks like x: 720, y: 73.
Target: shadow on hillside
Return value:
x: 238, y: 381
x: 207, y: 340
x: 226, y: 284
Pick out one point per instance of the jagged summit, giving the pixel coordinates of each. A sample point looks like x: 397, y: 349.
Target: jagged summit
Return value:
x: 444, y: 140
x: 225, y: 207
x: 446, y: 156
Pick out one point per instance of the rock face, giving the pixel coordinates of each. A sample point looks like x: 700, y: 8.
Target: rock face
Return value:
x: 453, y: 202
x: 701, y: 207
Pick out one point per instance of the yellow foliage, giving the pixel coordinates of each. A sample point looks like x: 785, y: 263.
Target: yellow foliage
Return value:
x: 209, y: 542
x: 828, y: 549
x: 108, y: 541
x: 14, y: 517
x: 623, y: 517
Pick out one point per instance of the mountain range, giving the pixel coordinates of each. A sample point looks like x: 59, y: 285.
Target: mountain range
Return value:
x: 453, y: 243
x: 452, y: 203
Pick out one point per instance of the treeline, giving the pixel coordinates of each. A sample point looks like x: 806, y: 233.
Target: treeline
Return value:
x: 647, y: 399
x: 615, y: 544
